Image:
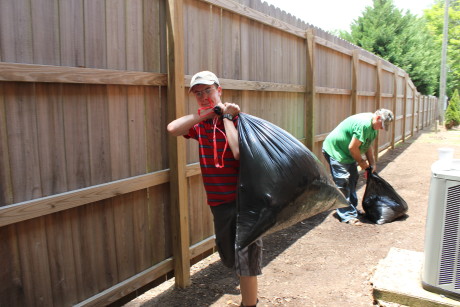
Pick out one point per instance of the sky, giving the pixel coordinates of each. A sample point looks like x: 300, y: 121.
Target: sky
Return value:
x: 332, y: 15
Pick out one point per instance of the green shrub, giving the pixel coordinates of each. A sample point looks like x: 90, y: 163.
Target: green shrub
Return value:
x: 452, y: 115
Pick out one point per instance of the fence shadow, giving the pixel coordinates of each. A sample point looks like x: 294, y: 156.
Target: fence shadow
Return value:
x: 214, y: 280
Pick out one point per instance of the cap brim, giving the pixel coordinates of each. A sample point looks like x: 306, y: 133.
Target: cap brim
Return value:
x: 201, y: 82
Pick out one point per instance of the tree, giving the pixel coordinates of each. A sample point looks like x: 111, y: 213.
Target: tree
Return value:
x: 402, y: 39
x: 452, y: 115
x: 435, y: 21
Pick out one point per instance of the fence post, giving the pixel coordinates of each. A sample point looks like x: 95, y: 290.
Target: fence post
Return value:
x: 394, y: 100
x: 413, y: 113
x: 177, y: 149
x: 378, y: 100
x: 355, y: 81
x: 310, y: 95
x: 404, y: 108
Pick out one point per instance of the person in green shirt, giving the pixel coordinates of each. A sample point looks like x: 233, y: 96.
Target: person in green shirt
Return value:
x: 343, y: 149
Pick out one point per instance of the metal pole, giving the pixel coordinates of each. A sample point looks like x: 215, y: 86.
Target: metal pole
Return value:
x: 442, y: 79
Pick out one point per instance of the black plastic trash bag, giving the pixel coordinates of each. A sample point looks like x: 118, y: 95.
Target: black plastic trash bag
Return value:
x: 381, y: 203
x: 281, y: 182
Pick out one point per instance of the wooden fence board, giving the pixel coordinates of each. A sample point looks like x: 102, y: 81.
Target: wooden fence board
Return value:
x: 6, y: 192
x: 45, y: 31
x: 151, y: 36
x: 22, y: 141
x: 99, y: 136
x: 95, y: 38
x: 137, y: 132
x: 35, y: 270
x: 61, y: 258
x: 11, y: 292
x: 50, y: 119
x: 134, y: 36
x: 71, y: 29
x: 124, y: 208
x: 116, y: 34
x: 118, y: 129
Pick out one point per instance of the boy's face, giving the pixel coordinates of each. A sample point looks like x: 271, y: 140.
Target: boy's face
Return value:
x: 203, y: 93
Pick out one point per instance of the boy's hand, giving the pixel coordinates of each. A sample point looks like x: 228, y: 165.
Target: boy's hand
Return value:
x: 231, y: 108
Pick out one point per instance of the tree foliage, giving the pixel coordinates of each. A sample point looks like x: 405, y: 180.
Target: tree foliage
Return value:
x: 400, y: 38
x: 435, y: 22
x: 452, y: 115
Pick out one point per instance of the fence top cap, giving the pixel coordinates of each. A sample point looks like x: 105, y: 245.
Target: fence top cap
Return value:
x: 203, y: 77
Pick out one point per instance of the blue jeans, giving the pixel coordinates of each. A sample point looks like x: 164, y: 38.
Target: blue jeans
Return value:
x: 345, y: 177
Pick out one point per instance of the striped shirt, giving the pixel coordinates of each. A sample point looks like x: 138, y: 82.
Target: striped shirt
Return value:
x: 219, y: 183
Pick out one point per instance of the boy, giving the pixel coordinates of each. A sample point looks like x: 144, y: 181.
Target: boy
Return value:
x: 219, y: 155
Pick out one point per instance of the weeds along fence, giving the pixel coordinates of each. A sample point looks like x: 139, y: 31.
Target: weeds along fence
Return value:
x: 96, y: 201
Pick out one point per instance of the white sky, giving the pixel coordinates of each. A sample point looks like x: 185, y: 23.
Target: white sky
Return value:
x: 332, y: 15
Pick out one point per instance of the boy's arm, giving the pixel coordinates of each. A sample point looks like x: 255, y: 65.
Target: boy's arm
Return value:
x: 230, y: 129
x: 182, y: 125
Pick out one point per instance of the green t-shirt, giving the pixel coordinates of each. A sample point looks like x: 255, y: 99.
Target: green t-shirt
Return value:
x: 358, y: 126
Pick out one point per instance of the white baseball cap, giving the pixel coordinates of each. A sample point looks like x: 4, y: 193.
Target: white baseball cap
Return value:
x: 203, y: 77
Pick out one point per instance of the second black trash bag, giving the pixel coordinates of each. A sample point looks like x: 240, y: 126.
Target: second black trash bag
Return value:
x: 381, y: 203
x: 281, y: 182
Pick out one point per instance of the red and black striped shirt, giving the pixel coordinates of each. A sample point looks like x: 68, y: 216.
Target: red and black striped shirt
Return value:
x: 220, y: 183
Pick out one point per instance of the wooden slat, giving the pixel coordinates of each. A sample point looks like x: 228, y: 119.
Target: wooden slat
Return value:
x: 260, y: 17
x: 321, y: 137
x: 12, y: 294
x: 244, y: 85
x: 71, y: 27
x: 202, y: 246
x: 95, y: 38
x: 6, y: 193
x: 367, y: 60
x: 58, y: 74
x: 367, y: 94
x: 99, y: 135
x: 46, y: 205
x: 20, y: 107
x: 332, y: 91
x: 137, y: 132
x: 116, y: 34
x: 323, y: 42
x: 50, y: 128
x: 193, y: 169
x: 35, y: 267
x: 134, y: 36
x: 60, y: 251
x: 45, y: 32
x: 152, y: 32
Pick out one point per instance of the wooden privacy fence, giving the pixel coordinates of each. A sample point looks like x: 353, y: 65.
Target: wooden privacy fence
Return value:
x: 96, y: 201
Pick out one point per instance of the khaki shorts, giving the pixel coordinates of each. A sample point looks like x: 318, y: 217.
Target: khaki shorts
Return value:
x: 246, y: 262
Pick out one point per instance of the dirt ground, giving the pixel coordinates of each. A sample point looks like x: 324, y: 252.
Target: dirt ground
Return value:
x: 320, y: 261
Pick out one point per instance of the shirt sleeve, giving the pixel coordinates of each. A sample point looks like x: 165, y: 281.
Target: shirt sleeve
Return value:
x: 192, y: 133
x: 358, y: 133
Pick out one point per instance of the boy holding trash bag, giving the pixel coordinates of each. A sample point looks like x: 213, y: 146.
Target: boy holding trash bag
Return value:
x: 219, y: 155
x: 343, y: 149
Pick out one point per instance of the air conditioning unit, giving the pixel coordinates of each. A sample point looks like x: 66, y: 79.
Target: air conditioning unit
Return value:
x: 441, y: 267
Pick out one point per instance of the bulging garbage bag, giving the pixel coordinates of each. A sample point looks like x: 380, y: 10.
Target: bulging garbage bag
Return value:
x: 381, y: 203
x: 281, y: 182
